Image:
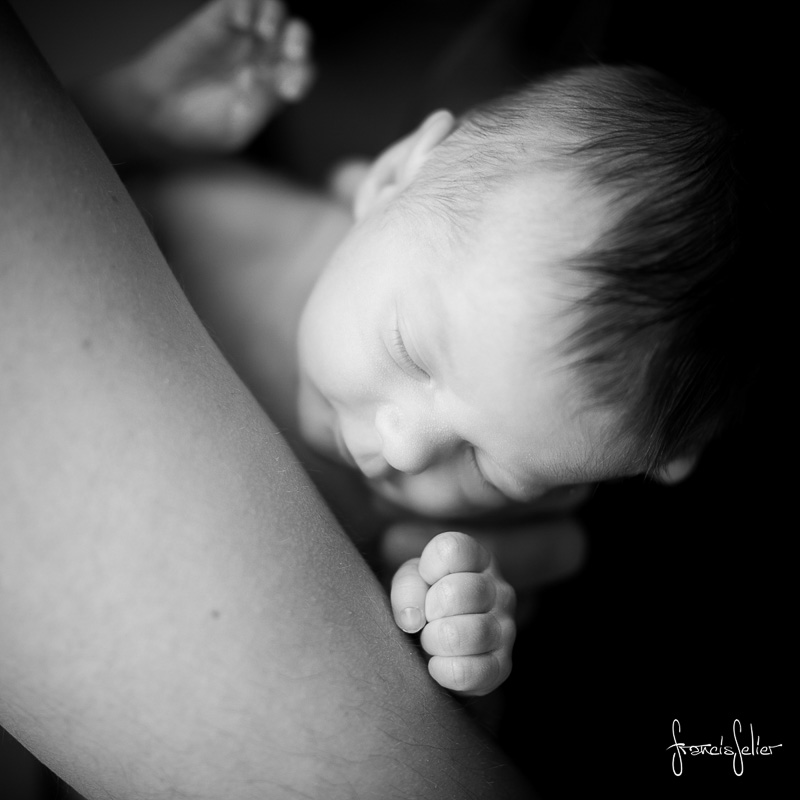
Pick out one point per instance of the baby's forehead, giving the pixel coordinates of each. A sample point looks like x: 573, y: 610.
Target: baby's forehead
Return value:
x: 528, y: 239
x: 526, y: 216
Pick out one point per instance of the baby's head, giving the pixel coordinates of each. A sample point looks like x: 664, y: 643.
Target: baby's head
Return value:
x: 533, y: 297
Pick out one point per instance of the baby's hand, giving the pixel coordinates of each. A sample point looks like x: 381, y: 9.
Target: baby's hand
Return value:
x: 454, y: 593
x: 207, y: 85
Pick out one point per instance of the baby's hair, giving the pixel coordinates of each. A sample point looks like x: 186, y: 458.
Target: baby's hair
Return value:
x: 655, y: 339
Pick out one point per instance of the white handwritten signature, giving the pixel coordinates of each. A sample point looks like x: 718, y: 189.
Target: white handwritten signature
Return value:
x: 736, y: 751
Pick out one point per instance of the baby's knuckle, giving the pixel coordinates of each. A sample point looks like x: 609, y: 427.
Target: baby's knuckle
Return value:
x: 506, y: 596
x: 491, y: 632
x: 487, y: 590
x: 450, y: 546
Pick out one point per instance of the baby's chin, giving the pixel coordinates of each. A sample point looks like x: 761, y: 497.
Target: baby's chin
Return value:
x: 395, y: 499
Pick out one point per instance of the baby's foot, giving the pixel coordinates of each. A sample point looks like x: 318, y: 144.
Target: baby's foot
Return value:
x: 212, y: 82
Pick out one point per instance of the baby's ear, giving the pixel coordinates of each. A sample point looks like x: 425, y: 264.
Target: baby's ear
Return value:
x: 396, y: 167
x: 677, y: 470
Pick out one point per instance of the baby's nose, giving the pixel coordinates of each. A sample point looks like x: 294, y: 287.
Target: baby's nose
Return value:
x: 410, y: 442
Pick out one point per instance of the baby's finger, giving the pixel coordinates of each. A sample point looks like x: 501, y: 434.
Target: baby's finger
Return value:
x: 464, y: 635
x: 293, y: 69
x: 269, y: 16
x: 470, y: 675
x: 462, y: 593
x: 408, y: 597
x: 450, y: 552
x: 296, y: 41
x: 293, y: 79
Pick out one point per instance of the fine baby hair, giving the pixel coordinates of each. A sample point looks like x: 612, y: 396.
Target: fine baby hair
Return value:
x: 657, y: 337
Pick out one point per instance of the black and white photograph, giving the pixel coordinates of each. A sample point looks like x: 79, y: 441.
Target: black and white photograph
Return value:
x: 395, y: 400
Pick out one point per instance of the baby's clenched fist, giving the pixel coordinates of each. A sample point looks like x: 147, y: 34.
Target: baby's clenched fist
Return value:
x: 456, y: 596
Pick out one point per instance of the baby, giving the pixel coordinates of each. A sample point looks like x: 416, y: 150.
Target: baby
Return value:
x: 535, y: 296
x: 531, y: 297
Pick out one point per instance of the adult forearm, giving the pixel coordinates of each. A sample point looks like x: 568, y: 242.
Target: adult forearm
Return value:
x: 179, y: 614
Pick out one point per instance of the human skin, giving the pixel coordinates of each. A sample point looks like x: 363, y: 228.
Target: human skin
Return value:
x: 181, y: 616
x: 80, y: 39
x: 207, y: 85
x: 412, y: 364
x: 248, y: 247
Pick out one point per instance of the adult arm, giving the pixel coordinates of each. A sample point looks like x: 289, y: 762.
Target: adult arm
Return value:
x: 179, y: 614
x: 81, y: 39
